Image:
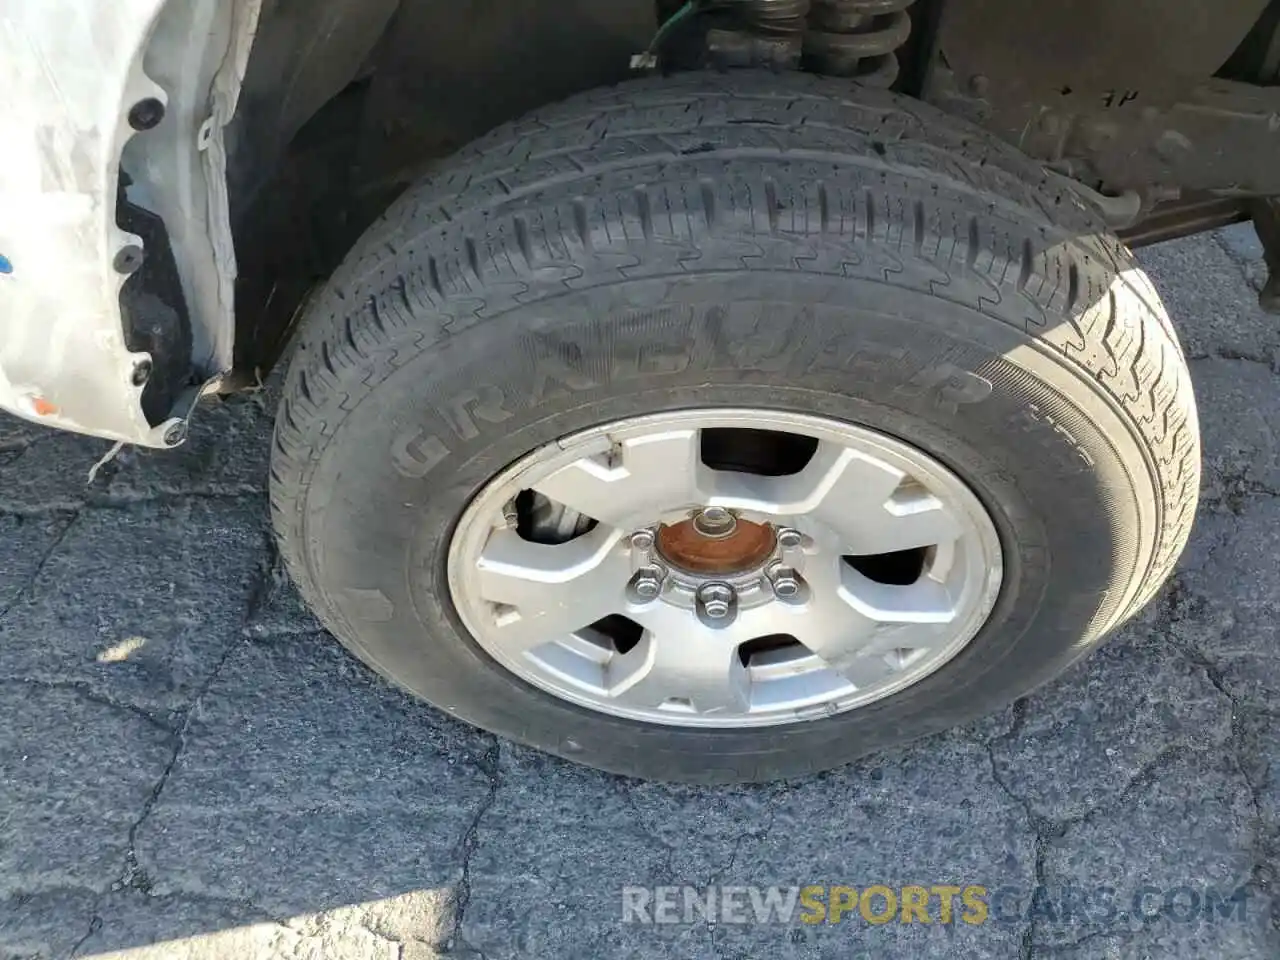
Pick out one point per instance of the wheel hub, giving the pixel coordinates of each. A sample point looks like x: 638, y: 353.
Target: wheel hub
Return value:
x: 714, y: 541
x: 715, y: 578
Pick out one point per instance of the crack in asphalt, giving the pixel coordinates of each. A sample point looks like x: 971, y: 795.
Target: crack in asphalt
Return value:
x: 1035, y: 823
x: 1262, y: 874
x: 96, y: 921
x: 623, y: 787
x: 11, y: 453
x: 1104, y: 933
x: 86, y: 692
x: 490, y: 766
x: 43, y: 562
x: 1047, y: 831
x: 95, y: 924
x: 1237, y: 488
x: 126, y: 500
x: 395, y: 942
x: 133, y: 875
x: 718, y: 874
x: 1270, y: 360
x: 176, y: 893
x: 18, y: 444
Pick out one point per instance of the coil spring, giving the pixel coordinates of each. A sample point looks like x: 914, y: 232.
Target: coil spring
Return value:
x: 857, y: 38
x: 776, y: 18
x: 769, y: 33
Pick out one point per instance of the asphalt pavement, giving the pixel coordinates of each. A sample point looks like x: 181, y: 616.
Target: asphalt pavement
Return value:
x: 191, y: 767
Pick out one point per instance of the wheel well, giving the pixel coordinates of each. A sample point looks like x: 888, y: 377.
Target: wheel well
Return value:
x: 346, y: 102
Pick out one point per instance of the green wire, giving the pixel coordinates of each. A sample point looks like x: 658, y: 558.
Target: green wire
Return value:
x: 671, y: 23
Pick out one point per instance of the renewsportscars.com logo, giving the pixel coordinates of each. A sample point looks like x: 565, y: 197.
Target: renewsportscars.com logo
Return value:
x: 943, y: 903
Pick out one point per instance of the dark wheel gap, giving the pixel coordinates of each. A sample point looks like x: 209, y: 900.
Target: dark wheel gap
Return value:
x: 617, y: 630
x: 768, y: 453
x: 899, y: 568
x: 766, y: 644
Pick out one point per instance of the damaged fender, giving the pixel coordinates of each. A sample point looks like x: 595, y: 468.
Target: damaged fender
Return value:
x: 113, y: 174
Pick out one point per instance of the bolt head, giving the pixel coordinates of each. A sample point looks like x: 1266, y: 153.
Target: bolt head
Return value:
x: 789, y: 538
x: 785, y: 587
x: 716, y: 599
x: 175, y: 434
x: 642, y: 539
x: 128, y: 259
x: 646, y: 583
x: 785, y: 581
x: 714, y: 522
x: 146, y: 114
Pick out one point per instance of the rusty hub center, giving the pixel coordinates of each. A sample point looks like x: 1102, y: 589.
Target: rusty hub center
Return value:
x: 689, y: 546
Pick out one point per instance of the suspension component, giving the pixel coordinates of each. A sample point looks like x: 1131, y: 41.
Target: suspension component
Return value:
x: 766, y: 33
x: 1266, y: 220
x: 775, y: 18
x: 857, y: 38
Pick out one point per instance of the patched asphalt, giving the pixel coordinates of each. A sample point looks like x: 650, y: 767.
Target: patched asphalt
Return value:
x: 191, y: 767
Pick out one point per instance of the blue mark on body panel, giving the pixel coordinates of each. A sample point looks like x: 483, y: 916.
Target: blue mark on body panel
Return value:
x: 5, y: 265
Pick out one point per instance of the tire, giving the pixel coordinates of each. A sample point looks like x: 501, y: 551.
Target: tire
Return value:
x: 782, y: 242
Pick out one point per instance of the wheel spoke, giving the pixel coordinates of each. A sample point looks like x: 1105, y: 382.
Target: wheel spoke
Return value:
x: 834, y: 477
x: 852, y: 622
x: 923, y: 603
x: 866, y: 670
x: 905, y: 521
x: 630, y: 482
x: 852, y: 493
x: 544, y: 591
x: 679, y: 661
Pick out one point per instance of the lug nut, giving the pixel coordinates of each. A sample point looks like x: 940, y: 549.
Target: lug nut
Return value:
x: 716, y: 599
x: 785, y: 581
x: 642, y: 539
x: 714, y: 522
x: 646, y: 583
x: 788, y: 538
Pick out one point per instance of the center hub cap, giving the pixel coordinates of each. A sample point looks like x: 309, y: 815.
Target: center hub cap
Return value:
x: 734, y: 546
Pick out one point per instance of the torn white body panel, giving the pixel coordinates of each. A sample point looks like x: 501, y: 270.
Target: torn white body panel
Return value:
x: 71, y: 71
